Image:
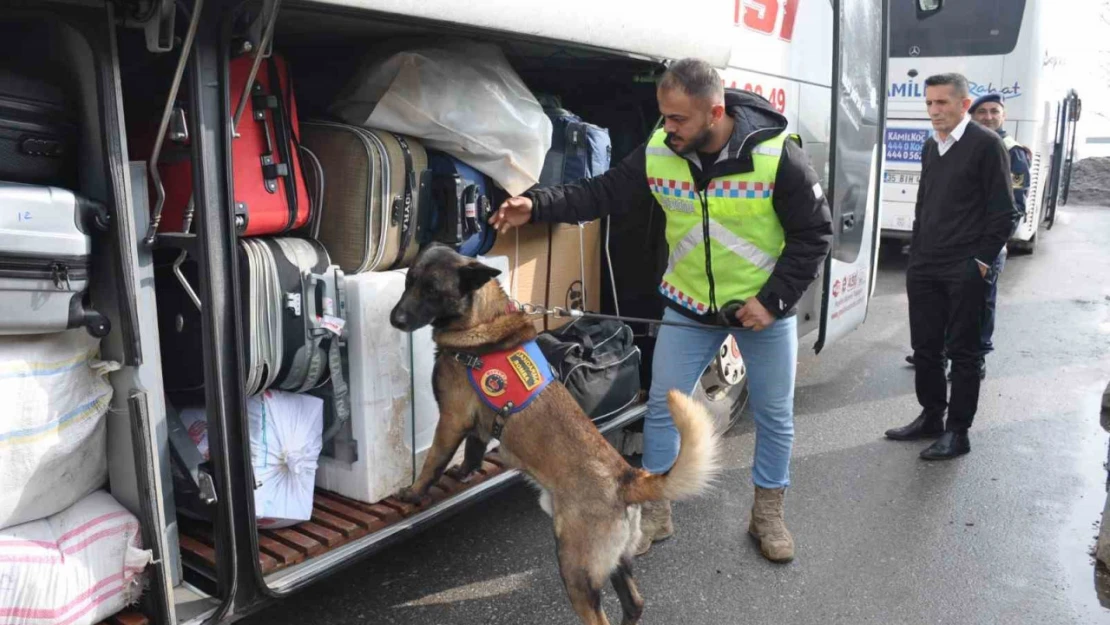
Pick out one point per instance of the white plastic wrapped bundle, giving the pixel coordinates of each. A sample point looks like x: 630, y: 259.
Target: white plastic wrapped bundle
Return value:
x: 77, y: 567
x: 53, y: 449
x: 460, y: 97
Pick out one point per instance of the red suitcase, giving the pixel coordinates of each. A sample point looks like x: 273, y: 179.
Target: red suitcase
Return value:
x: 268, y: 180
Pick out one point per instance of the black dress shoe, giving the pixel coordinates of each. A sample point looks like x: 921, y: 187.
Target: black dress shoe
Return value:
x: 924, y: 426
x: 909, y: 359
x: 950, y: 445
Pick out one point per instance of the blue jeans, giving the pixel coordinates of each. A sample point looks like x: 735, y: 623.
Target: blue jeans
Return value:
x: 770, y: 356
x: 992, y: 297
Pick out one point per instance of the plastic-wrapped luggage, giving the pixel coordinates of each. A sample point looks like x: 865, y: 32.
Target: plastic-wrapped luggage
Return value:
x: 459, y: 97
x: 286, y: 431
x: 77, y: 567
x: 53, y: 449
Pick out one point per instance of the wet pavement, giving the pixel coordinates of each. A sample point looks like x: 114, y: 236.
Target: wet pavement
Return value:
x: 1003, y: 535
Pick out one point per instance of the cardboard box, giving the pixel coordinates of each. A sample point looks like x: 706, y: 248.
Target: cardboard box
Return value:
x: 528, y: 251
x: 556, y: 265
x: 574, y: 279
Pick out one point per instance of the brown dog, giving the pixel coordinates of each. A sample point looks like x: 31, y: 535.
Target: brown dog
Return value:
x: 589, y: 490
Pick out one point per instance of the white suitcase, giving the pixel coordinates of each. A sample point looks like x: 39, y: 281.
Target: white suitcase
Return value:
x: 393, y: 408
x: 45, y: 244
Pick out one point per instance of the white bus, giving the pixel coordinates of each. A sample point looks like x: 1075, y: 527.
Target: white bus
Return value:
x: 822, y: 63
x: 999, y: 46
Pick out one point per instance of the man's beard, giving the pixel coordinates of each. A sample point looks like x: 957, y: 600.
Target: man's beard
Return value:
x: 694, y: 145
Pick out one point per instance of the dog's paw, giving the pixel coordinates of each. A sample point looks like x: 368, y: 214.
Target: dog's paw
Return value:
x: 458, y: 473
x: 409, y: 495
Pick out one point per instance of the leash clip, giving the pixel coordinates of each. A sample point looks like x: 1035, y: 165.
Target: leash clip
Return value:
x: 470, y: 361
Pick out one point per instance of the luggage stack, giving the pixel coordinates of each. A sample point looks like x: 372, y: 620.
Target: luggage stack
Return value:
x: 292, y: 301
x: 61, y: 534
x: 329, y: 215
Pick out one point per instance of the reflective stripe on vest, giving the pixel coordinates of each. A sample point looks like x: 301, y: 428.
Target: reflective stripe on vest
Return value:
x: 745, y: 236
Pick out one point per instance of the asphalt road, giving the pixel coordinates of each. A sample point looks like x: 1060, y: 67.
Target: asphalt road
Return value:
x: 1000, y: 536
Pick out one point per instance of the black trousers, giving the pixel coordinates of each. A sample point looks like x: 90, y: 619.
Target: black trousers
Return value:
x: 946, y: 315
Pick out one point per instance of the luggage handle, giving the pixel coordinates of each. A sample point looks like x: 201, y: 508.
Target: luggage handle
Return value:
x: 267, y: 37
x: 283, y: 129
x: 318, y: 184
x: 403, y: 206
x: 329, y: 316
x: 271, y: 171
x: 471, y: 218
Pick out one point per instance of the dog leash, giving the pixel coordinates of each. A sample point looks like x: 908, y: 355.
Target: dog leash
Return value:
x: 726, y: 317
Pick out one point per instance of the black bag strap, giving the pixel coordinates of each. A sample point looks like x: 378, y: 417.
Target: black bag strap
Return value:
x: 285, y: 137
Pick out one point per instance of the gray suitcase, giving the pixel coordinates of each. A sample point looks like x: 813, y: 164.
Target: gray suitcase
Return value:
x: 45, y: 244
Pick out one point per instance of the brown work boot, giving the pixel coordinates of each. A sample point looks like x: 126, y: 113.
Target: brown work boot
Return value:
x: 768, y: 527
x: 655, y: 524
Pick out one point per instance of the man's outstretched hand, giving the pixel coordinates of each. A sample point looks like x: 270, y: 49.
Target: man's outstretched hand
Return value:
x: 513, y: 213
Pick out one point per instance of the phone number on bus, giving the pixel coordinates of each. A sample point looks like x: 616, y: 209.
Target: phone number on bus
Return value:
x: 774, y: 95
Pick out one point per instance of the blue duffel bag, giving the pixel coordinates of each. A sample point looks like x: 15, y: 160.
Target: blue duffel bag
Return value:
x: 579, y: 149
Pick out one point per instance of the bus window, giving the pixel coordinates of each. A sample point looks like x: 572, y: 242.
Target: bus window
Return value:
x: 965, y: 28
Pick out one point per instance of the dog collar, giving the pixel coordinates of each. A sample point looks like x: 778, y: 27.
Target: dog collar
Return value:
x: 507, y: 380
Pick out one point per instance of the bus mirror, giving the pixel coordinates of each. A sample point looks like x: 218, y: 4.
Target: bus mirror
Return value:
x: 928, y: 8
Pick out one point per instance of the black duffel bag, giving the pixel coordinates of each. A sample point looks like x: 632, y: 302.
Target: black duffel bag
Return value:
x: 597, y: 362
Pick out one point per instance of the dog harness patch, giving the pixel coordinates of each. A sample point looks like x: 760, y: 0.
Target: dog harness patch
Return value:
x: 509, y: 380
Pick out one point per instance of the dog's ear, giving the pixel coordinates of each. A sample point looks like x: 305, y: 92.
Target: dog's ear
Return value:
x: 474, y: 274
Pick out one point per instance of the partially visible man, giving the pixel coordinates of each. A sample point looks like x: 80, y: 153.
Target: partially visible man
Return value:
x: 990, y: 112
x: 963, y: 217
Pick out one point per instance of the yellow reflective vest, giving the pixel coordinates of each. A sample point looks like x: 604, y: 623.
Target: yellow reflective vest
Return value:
x: 733, y: 217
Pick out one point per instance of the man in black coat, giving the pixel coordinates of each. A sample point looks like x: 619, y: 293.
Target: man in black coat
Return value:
x: 964, y: 215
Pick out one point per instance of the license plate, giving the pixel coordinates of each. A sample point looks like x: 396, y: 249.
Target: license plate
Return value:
x: 902, y: 177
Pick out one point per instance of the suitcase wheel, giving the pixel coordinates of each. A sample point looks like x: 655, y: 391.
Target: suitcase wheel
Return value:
x: 97, y: 324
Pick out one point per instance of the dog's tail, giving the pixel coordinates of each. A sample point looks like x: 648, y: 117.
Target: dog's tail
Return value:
x: 698, y: 462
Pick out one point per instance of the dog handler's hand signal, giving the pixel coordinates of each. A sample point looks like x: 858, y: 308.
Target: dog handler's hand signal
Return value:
x: 514, y: 212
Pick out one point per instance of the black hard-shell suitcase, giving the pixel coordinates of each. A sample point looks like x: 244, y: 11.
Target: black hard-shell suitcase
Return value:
x: 38, y: 134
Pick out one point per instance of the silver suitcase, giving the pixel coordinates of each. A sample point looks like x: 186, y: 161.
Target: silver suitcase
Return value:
x: 45, y: 245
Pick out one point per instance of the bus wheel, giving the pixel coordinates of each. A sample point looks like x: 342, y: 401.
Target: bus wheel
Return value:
x: 723, y: 388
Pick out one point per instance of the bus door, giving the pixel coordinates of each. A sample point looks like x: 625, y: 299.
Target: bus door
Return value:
x: 1071, y: 120
x: 1063, y: 154
x: 859, y: 82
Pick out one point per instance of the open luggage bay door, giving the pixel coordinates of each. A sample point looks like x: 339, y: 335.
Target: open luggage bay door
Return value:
x: 858, y: 118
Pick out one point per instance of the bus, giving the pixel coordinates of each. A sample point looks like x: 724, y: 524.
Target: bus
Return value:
x: 822, y: 64
x: 999, y: 46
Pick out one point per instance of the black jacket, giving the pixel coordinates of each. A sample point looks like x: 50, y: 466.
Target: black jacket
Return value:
x: 965, y: 203
x: 797, y: 198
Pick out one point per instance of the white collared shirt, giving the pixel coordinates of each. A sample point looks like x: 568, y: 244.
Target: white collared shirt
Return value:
x: 954, y: 136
